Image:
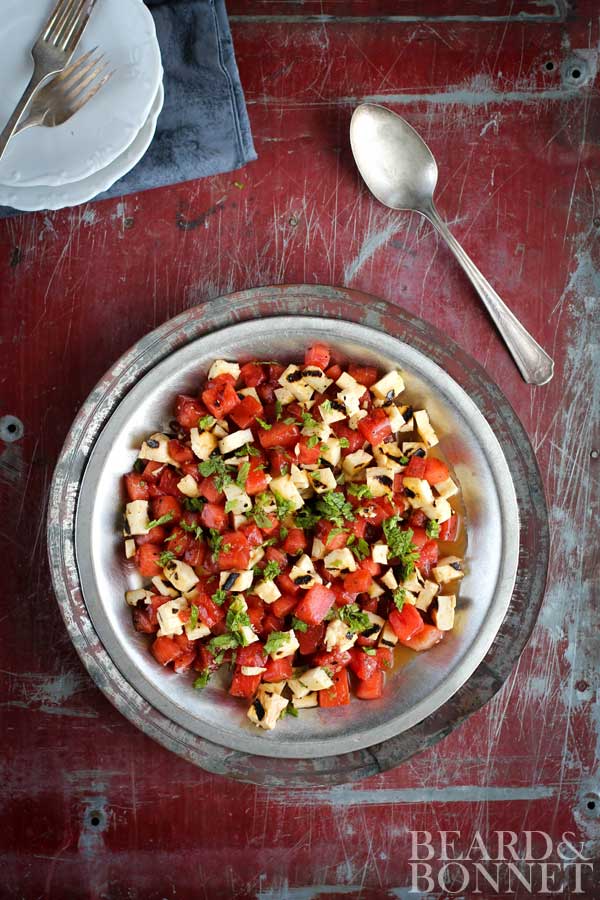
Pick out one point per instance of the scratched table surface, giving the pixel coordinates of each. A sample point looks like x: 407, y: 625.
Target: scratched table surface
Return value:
x: 505, y: 92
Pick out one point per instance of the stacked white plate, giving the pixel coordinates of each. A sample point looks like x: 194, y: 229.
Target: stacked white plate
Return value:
x: 50, y: 168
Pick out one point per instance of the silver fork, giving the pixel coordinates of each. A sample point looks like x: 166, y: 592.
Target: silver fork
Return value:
x: 51, y: 53
x: 62, y: 97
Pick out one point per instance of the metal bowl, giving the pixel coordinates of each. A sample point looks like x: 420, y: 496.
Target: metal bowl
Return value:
x: 209, y: 725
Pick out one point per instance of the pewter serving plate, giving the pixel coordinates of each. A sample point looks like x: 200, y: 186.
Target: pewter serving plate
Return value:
x: 137, y: 398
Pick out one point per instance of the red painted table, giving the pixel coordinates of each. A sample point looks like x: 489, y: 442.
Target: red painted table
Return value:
x: 505, y: 92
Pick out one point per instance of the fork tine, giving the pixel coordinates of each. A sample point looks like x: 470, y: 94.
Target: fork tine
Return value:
x: 85, y: 77
x: 77, y: 89
x: 59, y: 24
x: 76, y: 70
x: 69, y: 23
x: 54, y: 17
x: 92, y: 92
x: 80, y: 26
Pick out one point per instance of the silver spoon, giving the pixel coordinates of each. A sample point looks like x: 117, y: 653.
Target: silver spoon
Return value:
x: 399, y: 169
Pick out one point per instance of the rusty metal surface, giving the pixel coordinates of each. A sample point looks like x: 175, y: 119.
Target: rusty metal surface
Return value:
x: 90, y: 806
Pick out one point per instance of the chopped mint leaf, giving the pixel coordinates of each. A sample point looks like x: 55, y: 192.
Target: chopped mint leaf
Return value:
x: 360, y: 490
x: 246, y: 450
x: 168, y: 517
x: 206, y: 422
x: 344, y: 442
x: 196, y: 530
x: 360, y: 549
x: 193, y: 504
x: 216, y: 466
x: 243, y: 472
x: 215, y: 541
x: 400, y: 545
x: 271, y: 570
x: 165, y: 557
x: 298, y: 624
x: 284, y: 507
x: 219, y: 597
x: 312, y: 441
x: 275, y: 641
x: 432, y: 529
x: 265, y: 425
x: 334, y: 507
x: 202, y: 680
x: 370, y: 651
x: 237, y: 616
x: 193, y: 616
x: 278, y: 409
x: 352, y: 616
x: 399, y: 598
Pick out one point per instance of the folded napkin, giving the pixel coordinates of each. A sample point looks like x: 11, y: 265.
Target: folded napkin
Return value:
x: 203, y: 128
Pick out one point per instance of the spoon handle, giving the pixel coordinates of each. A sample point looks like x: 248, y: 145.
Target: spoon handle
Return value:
x: 533, y: 362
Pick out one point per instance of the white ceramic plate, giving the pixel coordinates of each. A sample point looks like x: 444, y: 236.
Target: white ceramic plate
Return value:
x: 108, y: 124
x: 30, y: 199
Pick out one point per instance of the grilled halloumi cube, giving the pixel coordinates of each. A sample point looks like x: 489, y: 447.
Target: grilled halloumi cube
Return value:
x: 156, y: 449
x: 446, y: 489
x: 253, y: 670
x: 298, y: 689
x: 332, y: 411
x: 180, y: 575
x: 306, y: 702
x: 414, y: 448
x: 331, y: 451
x: 267, y: 591
x: 448, y: 569
x: 203, y: 444
x: 161, y: 587
x: 426, y: 595
x: 356, y: 417
x: 169, y: 623
x: 285, y: 487
x: 414, y: 582
x: 356, y: 462
x: 389, y: 579
x: 300, y: 478
x: 287, y: 647
x: 134, y: 597
x: 200, y: 630
x: 323, y: 480
x: 320, y: 430
x: 136, y: 517
x: 341, y: 560
x: 380, y: 481
x: 265, y: 711
x: 350, y: 393
x: 293, y: 380
x: 388, y: 637
x: 189, y: 486
x: 379, y: 553
x: 421, y: 490
x: 318, y: 548
x: 303, y: 573
x: 130, y: 548
x: 396, y: 418
x: 338, y: 635
x: 389, y: 387
x: 283, y: 396
x: 316, y: 378
x: 440, y: 510
x: 236, y: 581
x: 375, y: 590
x: 387, y: 462
x: 250, y: 392
x: 376, y: 627
x: 316, y: 679
x: 236, y: 440
x: 220, y: 428
x: 222, y: 367
x: 443, y: 616
x: 238, y: 501
x: 423, y: 426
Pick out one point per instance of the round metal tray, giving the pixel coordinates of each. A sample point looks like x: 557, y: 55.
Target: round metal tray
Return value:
x: 424, y: 699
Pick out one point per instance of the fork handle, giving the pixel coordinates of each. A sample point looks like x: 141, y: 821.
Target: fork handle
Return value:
x: 533, y: 362
x: 35, y: 82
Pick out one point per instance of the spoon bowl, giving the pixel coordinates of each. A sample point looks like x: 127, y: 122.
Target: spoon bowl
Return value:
x: 395, y: 162
x: 400, y: 170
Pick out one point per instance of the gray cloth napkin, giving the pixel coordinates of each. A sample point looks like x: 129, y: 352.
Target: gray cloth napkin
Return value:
x: 203, y: 128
